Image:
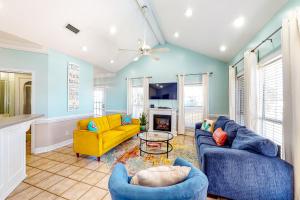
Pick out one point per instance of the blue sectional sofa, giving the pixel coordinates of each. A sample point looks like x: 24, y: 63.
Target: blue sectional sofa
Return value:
x: 247, y: 167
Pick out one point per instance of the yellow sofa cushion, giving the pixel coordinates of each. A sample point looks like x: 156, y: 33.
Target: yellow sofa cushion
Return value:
x: 114, y: 120
x: 102, y: 123
x: 112, y: 138
x: 82, y: 124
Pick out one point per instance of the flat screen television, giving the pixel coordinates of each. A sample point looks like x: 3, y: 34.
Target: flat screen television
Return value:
x: 163, y: 91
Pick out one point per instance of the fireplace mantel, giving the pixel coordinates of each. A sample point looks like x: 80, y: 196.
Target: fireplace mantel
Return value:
x: 159, y: 111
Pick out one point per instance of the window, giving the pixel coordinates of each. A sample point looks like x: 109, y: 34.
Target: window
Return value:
x: 270, y: 100
x: 193, y: 104
x: 99, y: 105
x: 137, y: 101
x: 240, y: 100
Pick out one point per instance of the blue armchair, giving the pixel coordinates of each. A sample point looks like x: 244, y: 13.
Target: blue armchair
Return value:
x: 193, y: 188
x: 247, y: 167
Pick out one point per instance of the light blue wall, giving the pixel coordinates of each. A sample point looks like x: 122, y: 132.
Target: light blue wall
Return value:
x: 271, y: 26
x: 33, y: 62
x: 177, y: 61
x: 51, y: 79
x: 57, y: 85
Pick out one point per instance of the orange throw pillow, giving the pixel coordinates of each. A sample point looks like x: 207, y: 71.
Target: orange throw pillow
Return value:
x: 220, y: 136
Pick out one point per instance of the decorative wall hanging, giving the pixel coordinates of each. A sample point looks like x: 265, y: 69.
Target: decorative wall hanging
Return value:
x: 73, y: 87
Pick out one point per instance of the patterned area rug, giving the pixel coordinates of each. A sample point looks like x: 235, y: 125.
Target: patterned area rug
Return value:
x: 128, y: 153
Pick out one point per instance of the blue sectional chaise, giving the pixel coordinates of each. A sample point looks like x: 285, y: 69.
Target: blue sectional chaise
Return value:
x: 247, y: 167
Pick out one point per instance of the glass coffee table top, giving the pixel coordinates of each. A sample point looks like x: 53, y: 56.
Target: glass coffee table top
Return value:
x: 155, y: 142
x: 156, y: 136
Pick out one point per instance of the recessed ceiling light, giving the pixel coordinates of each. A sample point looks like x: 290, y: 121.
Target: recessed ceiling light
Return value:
x: 136, y: 58
x: 113, y: 30
x: 223, y: 48
x: 112, y: 61
x: 176, y: 34
x: 84, y: 48
x: 239, y: 22
x: 188, y: 12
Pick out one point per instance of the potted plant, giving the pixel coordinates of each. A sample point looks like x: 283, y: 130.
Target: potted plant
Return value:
x: 143, y: 121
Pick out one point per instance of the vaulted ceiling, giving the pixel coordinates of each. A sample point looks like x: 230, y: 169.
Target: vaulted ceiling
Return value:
x: 107, y: 25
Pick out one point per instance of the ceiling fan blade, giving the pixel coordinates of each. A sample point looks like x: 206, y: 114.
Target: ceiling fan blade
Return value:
x: 128, y: 50
x: 154, y: 57
x: 160, y: 50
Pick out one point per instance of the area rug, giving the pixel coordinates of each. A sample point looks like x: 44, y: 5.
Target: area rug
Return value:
x: 128, y: 153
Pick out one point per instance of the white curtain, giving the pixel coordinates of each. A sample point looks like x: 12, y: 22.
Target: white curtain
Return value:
x: 205, y: 81
x: 291, y: 93
x: 129, y: 96
x: 250, y: 76
x: 232, y: 97
x: 146, y: 94
x: 181, y: 115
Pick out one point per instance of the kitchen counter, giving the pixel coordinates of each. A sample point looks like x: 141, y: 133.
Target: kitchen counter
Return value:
x: 10, y: 121
x: 13, y: 151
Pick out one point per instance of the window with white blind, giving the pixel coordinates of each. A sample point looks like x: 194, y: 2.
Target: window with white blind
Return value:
x: 270, y: 100
x: 240, y: 100
x: 137, y: 101
x: 99, y: 105
x: 193, y: 104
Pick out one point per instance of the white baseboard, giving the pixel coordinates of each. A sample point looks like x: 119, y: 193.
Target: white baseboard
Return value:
x: 52, y: 147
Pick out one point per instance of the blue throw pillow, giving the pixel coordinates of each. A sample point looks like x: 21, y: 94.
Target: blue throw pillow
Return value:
x: 126, y: 119
x: 231, y: 129
x: 92, y: 127
x: 248, y: 140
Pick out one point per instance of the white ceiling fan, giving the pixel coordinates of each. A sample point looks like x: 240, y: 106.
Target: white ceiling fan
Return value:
x: 143, y: 48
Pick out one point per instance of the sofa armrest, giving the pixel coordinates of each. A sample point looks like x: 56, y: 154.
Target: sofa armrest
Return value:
x: 135, y: 121
x: 198, y: 125
x: 231, y: 172
x: 84, y: 138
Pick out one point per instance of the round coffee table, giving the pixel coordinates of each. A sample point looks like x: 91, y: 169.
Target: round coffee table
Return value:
x: 155, y: 142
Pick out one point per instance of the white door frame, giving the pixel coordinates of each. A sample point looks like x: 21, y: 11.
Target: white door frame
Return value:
x: 33, y: 96
x: 33, y: 84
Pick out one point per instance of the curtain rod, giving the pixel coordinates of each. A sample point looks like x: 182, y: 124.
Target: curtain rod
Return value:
x: 210, y: 73
x: 139, y: 77
x: 254, y: 49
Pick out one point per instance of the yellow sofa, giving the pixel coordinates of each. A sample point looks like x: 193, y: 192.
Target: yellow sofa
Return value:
x: 111, y: 133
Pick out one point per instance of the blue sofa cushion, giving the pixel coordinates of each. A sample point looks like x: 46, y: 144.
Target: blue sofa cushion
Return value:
x: 248, y: 140
x: 203, y: 133
x: 221, y: 122
x: 206, y: 140
x: 231, y: 129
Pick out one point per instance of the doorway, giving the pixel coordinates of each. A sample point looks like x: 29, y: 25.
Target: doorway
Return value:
x: 16, y: 97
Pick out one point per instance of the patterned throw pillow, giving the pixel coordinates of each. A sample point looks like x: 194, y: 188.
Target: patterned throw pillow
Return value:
x: 92, y: 127
x: 126, y: 119
x: 220, y: 137
x: 208, y: 125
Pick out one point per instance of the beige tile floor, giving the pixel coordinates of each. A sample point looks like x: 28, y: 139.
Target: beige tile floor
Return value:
x: 60, y: 175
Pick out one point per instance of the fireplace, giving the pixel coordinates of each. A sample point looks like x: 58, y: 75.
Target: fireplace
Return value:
x: 162, y: 122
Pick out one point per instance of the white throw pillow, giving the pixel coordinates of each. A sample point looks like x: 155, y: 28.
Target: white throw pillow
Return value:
x: 161, y: 176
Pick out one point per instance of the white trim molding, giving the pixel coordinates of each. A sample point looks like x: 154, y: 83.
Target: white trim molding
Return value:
x: 48, y: 120
x: 116, y: 111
